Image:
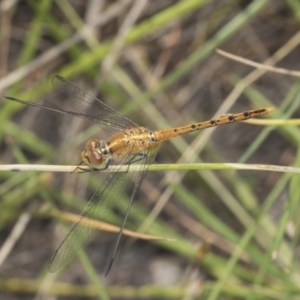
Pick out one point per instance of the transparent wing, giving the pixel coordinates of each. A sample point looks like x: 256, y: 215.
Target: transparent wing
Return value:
x: 99, y: 207
x: 85, y: 105
x: 89, y: 106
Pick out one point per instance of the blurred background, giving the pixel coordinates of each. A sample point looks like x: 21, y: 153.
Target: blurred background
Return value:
x: 236, y: 232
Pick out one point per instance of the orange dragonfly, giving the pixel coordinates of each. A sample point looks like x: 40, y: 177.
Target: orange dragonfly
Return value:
x: 129, y: 144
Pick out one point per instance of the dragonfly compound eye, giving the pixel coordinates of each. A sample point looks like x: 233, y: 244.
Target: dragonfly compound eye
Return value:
x: 92, y: 154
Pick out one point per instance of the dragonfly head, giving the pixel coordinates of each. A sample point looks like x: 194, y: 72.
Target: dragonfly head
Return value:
x: 93, y: 153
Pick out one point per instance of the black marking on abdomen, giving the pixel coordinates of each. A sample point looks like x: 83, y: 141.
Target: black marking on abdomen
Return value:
x: 231, y: 118
x: 259, y: 111
x: 246, y: 114
x: 212, y: 122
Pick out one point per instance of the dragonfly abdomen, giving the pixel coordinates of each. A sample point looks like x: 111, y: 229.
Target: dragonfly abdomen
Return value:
x: 162, y: 135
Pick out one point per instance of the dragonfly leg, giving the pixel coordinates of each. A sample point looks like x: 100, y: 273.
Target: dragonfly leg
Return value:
x: 81, y: 170
x: 84, y: 170
x: 134, y: 159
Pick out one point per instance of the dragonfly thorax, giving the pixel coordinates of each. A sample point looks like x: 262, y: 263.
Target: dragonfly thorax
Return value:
x: 96, y: 152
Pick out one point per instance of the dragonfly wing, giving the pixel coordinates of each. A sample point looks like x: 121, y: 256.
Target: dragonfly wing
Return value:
x: 61, y: 111
x: 85, y: 106
x: 145, y: 160
x: 90, y: 106
x: 99, y: 208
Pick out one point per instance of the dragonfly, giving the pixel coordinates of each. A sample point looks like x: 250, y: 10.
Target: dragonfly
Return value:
x: 129, y: 144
